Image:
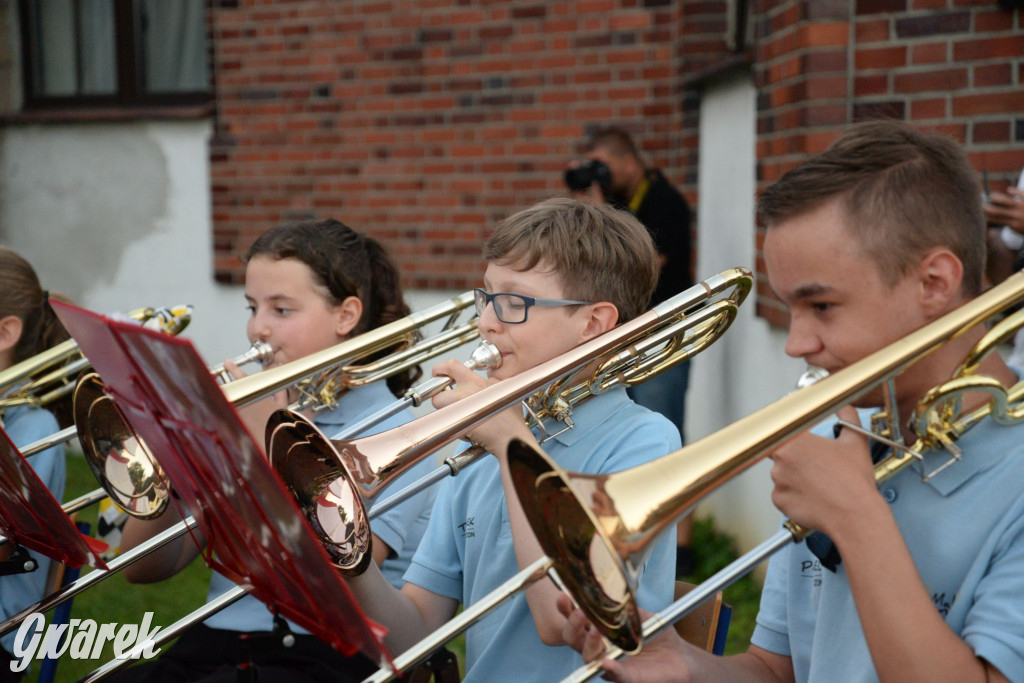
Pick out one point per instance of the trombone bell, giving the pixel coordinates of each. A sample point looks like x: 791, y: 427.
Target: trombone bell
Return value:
x: 117, y: 457
x: 585, y: 558
x: 324, y: 491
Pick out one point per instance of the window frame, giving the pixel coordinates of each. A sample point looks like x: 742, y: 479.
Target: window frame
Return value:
x: 129, y: 94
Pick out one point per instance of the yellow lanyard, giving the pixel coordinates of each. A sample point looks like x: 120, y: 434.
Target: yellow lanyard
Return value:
x: 638, y: 196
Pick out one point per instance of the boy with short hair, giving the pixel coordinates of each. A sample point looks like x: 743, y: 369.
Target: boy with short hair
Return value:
x: 869, y: 241
x: 558, y: 274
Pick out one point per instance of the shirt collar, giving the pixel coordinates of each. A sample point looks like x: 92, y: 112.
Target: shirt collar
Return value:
x: 356, y: 404
x: 587, y: 415
x: 978, y: 455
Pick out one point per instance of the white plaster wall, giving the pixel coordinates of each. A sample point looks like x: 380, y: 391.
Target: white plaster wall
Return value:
x: 117, y: 216
x: 747, y: 368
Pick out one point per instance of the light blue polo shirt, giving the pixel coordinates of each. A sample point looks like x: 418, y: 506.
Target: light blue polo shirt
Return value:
x: 467, y: 550
x: 401, y: 527
x: 24, y: 425
x: 965, y: 531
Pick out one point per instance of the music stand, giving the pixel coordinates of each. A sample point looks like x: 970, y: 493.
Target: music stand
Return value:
x: 31, y: 517
x: 256, y: 535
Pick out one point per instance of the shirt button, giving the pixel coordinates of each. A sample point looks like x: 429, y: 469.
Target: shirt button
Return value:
x: 890, y: 495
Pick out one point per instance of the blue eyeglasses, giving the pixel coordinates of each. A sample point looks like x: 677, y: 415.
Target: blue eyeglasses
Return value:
x: 511, y: 309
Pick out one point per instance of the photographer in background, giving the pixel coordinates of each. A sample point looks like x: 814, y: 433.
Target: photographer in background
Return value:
x: 613, y: 173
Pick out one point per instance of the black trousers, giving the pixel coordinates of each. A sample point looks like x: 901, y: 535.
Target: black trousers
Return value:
x: 6, y: 675
x: 210, y: 655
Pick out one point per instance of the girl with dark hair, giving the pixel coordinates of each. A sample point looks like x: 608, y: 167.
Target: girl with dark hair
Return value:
x: 28, y: 326
x: 308, y: 287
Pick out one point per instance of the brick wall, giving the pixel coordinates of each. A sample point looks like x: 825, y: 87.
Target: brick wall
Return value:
x: 423, y: 122
x: 954, y: 66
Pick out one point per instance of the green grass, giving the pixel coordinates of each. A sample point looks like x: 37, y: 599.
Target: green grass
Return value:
x: 114, y: 600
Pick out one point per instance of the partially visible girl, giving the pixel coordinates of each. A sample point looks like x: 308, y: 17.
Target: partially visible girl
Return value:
x: 28, y: 326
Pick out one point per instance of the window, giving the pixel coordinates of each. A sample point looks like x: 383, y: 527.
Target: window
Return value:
x: 114, y: 52
x: 738, y: 30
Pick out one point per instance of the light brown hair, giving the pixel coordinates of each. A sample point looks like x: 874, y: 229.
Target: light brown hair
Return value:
x: 600, y: 253
x: 902, y: 191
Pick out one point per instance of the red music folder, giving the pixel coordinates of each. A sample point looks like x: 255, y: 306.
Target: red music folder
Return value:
x: 30, y: 516
x: 256, y: 534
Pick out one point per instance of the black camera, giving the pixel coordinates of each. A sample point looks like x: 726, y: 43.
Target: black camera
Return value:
x: 589, y: 172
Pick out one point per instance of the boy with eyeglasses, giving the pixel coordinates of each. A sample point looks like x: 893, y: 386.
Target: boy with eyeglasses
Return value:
x: 558, y: 274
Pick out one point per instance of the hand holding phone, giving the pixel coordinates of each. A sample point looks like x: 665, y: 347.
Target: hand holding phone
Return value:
x: 1007, y: 208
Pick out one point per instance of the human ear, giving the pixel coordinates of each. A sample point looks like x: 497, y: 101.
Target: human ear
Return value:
x: 601, y: 317
x: 10, y: 332
x: 348, y: 313
x: 941, y: 276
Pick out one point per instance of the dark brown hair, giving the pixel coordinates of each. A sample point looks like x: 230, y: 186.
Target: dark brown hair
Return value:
x: 25, y: 298
x: 345, y: 263
x: 600, y: 253
x: 902, y: 191
x: 614, y: 139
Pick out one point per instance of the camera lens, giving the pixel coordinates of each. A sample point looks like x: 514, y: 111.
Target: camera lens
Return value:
x: 583, y: 176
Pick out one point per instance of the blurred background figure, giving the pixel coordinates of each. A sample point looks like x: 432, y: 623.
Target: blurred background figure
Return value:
x: 614, y: 173
x: 28, y: 327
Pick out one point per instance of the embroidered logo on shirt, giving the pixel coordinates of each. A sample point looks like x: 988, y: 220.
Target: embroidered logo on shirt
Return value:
x: 941, y: 603
x: 468, y: 531
x: 811, y: 569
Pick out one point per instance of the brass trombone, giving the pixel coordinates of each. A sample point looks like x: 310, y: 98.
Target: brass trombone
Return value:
x: 123, y: 465
x: 671, y: 333
x: 129, y: 477
x: 48, y: 376
x: 594, y: 527
x: 62, y: 363
x: 326, y: 378
x: 121, y: 462
x: 330, y: 479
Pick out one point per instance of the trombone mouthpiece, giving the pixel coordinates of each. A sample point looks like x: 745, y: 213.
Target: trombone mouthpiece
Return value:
x: 260, y: 352
x: 811, y: 376
x: 485, y: 357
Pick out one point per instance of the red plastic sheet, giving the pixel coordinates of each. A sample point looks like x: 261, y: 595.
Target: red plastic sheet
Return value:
x: 256, y: 534
x: 32, y: 517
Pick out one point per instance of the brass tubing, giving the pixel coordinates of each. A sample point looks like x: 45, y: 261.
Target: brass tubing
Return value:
x: 225, y: 599
x: 92, y: 578
x: 722, y: 579
x: 469, y: 616
x: 344, y: 472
